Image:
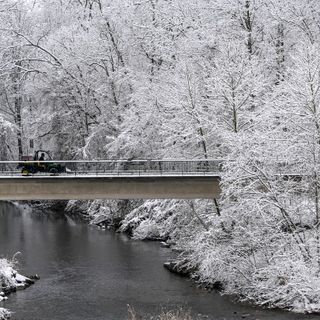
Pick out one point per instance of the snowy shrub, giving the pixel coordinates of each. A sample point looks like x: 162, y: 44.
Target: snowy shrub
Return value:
x: 286, y: 283
x: 110, y: 212
x: 147, y: 229
x: 169, y: 219
x: 4, y: 314
x: 9, y: 277
x: 7, y: 273
x: 78, y: 206
x: 100, y: 211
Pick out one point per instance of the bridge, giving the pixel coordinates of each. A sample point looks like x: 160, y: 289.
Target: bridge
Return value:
x: 112, y: 179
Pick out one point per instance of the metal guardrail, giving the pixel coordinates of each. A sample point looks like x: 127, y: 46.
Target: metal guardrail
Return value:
x: 119, y: 167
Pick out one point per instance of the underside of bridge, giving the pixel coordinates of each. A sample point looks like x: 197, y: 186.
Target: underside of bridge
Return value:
x: 88, y: 188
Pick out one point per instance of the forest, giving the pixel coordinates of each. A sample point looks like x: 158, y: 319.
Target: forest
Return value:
x: 237, y: 80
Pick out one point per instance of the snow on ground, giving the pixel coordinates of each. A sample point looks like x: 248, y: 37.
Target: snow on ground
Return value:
x: 10, y: 281
x: 4, y: 314
x: 7, y: 273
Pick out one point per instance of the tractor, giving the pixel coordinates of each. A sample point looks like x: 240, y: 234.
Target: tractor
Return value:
x: 34, y: 164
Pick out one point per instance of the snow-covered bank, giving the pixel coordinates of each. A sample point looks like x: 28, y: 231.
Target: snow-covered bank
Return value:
x: 11, y: 281
x: 103, y: 212
x: 4, y: 314
x: 213, y: 252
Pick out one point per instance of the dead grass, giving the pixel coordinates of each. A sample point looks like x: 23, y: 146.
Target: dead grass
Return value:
x: 178, y: 314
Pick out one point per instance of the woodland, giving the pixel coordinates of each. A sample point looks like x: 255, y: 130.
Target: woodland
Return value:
x: 237, y: 80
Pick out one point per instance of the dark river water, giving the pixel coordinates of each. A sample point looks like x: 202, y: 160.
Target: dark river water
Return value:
x: 87, y: 273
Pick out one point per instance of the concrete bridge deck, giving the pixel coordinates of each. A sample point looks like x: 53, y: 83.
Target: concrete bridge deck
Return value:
x: 109, y: 187
x: 136, y: 179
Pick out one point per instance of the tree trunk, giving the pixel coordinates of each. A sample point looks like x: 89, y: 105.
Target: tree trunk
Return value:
x: 18, y: 107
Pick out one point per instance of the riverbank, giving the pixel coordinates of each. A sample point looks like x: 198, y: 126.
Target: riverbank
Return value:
x: 105, y: 269
x: 11, y: 281
x: 202, y: 238
x: 4, y: 314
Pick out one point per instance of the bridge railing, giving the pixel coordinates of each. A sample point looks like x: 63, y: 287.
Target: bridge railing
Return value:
x: 117, y: 167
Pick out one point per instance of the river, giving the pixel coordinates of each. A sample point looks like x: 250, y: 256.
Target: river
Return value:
x: 87, y: 273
